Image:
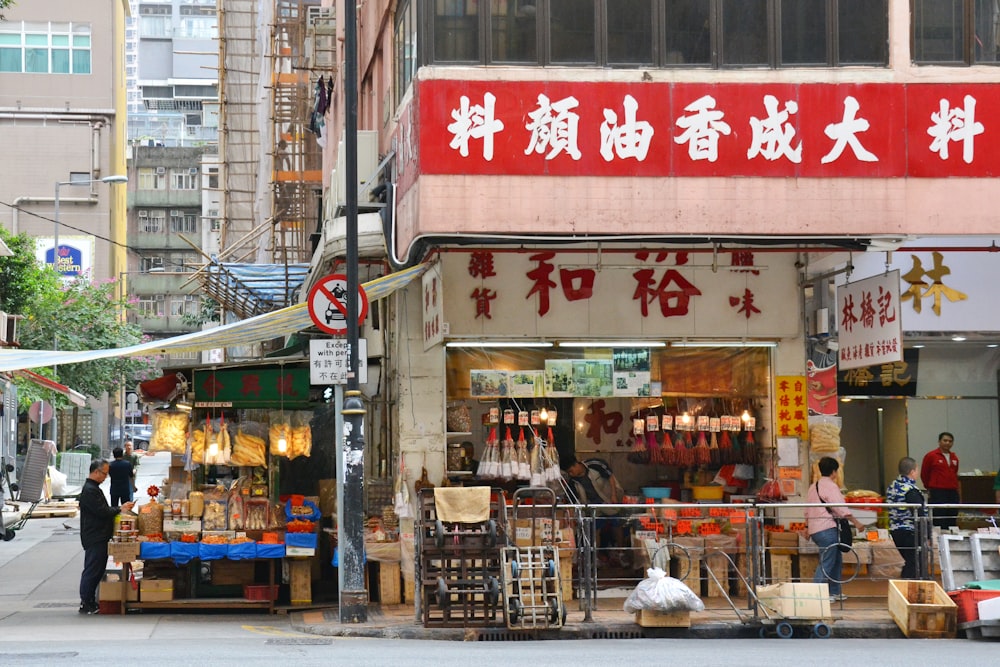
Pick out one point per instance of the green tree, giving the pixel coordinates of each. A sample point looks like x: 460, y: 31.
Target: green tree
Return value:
x: 86, y: 315
x: 3, y: 5
x: 22, y: 278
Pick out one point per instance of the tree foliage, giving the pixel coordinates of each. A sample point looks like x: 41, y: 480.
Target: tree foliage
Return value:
x: 85, y: 315
x: 3, y: 5
x: 21, y: 276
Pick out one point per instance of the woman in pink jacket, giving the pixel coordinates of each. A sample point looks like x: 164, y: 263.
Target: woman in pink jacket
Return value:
x: 823, y: 526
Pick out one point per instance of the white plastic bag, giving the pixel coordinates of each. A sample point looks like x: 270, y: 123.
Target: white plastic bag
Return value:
x: 658, y: 592
x: 58, y: 480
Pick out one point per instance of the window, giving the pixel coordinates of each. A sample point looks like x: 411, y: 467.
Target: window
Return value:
x: 183, y: 305
x: 151, y: 262
x: 152, y: 222
x: 45, y: 47
x: 183, y: 179
x: 151, y: 305
x: 183, y: 222
x: 213, y: 178
x: 955, y: 32
x: 662, y: 33
x: 152, y: 178
x: 405, y: 46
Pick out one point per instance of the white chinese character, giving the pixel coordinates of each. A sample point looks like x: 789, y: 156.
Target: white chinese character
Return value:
x: 475, y: 122
x: 772, y: 136
x: 630, y: 139
x: 702, y: 129
x: 554, y: 126
x: 955, y: 125
x: 846, y: 133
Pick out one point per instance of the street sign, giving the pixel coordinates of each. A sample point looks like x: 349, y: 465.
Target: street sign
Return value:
x: 328, y: 304
x: 330, y: 359
x: 40, y: 412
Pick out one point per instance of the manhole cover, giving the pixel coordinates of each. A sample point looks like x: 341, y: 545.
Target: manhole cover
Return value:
x: 299, y: 642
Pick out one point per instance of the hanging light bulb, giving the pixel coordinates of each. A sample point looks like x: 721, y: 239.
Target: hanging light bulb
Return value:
x: 213, y: 448
x: 745, y: 416
x: 544, y: 415
x: 282, y: 442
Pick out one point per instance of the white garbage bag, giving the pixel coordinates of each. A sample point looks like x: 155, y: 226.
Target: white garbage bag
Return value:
x: 658, y: 592
x: 58, y: 481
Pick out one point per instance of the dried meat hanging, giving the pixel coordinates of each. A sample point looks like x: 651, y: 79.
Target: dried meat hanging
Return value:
x: 667, y: 456
x: 702, y: 455
x: 508, y: 457
x: 749, y: 448
x: 639, y: 454
x: 713, y: 448
x: 523, y: 457
x: 725, y: 448
x: 655, y: 454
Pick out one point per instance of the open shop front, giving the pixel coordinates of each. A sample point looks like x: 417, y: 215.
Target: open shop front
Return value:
x: 237, y: 523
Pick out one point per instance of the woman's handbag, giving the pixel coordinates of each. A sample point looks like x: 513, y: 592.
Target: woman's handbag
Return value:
x: 845, y: 534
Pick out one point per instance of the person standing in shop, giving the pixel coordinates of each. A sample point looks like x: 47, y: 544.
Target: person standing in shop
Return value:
x: 122, y: 477
x: 939, y: 473
x: 902, y: 526
x: 822, y: 525
x: 97, y: 525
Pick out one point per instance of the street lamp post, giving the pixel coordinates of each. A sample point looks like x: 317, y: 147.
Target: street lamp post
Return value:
x: 55, y: 261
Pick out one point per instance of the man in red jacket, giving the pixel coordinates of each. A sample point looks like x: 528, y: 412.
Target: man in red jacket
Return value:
x: 939, y: 473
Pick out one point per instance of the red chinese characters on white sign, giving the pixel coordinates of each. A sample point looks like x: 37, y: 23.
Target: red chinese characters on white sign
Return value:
x: 869, y: 323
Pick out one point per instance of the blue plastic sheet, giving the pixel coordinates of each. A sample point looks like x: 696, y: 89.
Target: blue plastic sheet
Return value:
x: 335, y: 561
x: 212, y: 551
x: 242, y: 551
x: 305, y: 540
x: 183, y: 552
x: 270, y: 550
x: 154, y: 550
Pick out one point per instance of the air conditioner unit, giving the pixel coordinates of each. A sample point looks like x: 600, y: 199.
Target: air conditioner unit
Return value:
x: 176, y: 214
x: 367, y: 165
x: 193, y: 171
x: 160, y: 171
x: 143, y: 213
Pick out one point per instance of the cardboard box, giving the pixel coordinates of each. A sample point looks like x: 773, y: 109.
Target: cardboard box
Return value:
x: 181, y: 525
x: 156, y: 590
x: 663, y: 619
x: 922, y: 609
x: 111, y: 591
x: 784, y: 543
x: 781, y: 568
x: 124, y: 552
x: 389, y: 583
x: 796, y: 600
x: 232, y: 572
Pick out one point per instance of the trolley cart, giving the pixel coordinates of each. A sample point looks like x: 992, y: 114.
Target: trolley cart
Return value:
x: 29, y: 489
x: 532, y: 588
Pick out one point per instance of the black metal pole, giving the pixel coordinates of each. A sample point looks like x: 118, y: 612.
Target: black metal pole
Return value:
x: 353, y: 597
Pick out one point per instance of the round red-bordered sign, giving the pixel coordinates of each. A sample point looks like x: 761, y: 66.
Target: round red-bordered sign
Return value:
x: 328, y: 304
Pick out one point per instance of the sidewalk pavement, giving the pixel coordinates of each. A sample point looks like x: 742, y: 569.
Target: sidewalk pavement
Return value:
x: 862, y: 618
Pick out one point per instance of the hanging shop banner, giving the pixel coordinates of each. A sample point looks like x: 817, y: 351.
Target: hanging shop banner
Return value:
x: 646, y: 295
x: 251, y: 388
x: 941, y: 290
x: 432, y: 307
x: 809, y: 130
x: 330, y: 361
x: 869, y: 322
x: 893, y: 378
x: 790, y: 406
x: 822, y: 389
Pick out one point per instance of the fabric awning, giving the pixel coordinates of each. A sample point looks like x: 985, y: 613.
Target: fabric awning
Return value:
x: 75, y: 397
x: 281, y: 322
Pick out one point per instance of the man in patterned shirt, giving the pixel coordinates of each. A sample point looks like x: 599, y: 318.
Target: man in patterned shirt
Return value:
x: 904, y: 489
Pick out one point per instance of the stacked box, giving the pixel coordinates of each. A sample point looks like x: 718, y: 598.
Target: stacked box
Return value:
x: 156, y: 590
x: 663, y: 619
x: 796, y: 600
x: 781, y: 568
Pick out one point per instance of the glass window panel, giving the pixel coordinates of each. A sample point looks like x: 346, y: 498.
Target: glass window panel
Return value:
x: 803, y: 32
x: 744, y: 32
x: 58, y: 26
x: 81, y: 62
x: 689, y: 38
x: 81, y: 40
x: 36, y: 60
x: 513, y: 25
x: 60, y: 40
x: 571, y: 30
x: 630, y: 32
x: 10, y: 60
x: 987, y: 29
x: 9, y: 39
x: 60, y: 61
x: 36, y: 40
x: 864, y: 32
x: 456, y: 30
x: 937, y: 31
x: 36, y: 26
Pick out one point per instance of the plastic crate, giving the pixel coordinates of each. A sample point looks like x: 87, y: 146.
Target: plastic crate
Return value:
x: 968, y: 600
x: 258, y: 593
x: 110, y: 606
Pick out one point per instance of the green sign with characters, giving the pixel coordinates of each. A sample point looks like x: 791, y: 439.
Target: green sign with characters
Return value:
x: 252, y: 388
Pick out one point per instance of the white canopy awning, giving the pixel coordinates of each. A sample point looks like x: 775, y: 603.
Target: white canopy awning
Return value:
x: 262, y: 327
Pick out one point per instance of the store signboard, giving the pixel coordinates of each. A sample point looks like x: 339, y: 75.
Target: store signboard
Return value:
x: 76, y: 254
x: 432, y: 307
x: 778, y: 130
x: 330, y: 360
x: 252, y: 387
x: 869, y: 322
x: 791, y: 408
x: 892, y: 378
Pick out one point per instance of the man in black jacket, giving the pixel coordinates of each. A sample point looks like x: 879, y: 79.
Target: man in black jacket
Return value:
x: 97, y: 525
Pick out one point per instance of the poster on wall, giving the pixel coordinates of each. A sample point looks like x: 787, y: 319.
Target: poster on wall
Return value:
x: 527, y: 384
x: 821, y: 388
x: 631, y: 371
x: 488, y: 384
x: 602, y: 425
x: 791, y: 410
x: 558, y: 378
x: 593, y: 377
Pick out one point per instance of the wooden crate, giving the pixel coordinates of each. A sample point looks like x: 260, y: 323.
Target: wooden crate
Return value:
x: 781, y: 568
x: 663, y: 619
x: 922, y: 609
x: 389, y: 583
x: 300, y: 581
x: 719, y: 566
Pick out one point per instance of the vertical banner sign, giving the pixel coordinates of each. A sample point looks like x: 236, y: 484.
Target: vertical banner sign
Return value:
x: 432, y: 307
x: 790, y: 409
x: 869, y: 322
